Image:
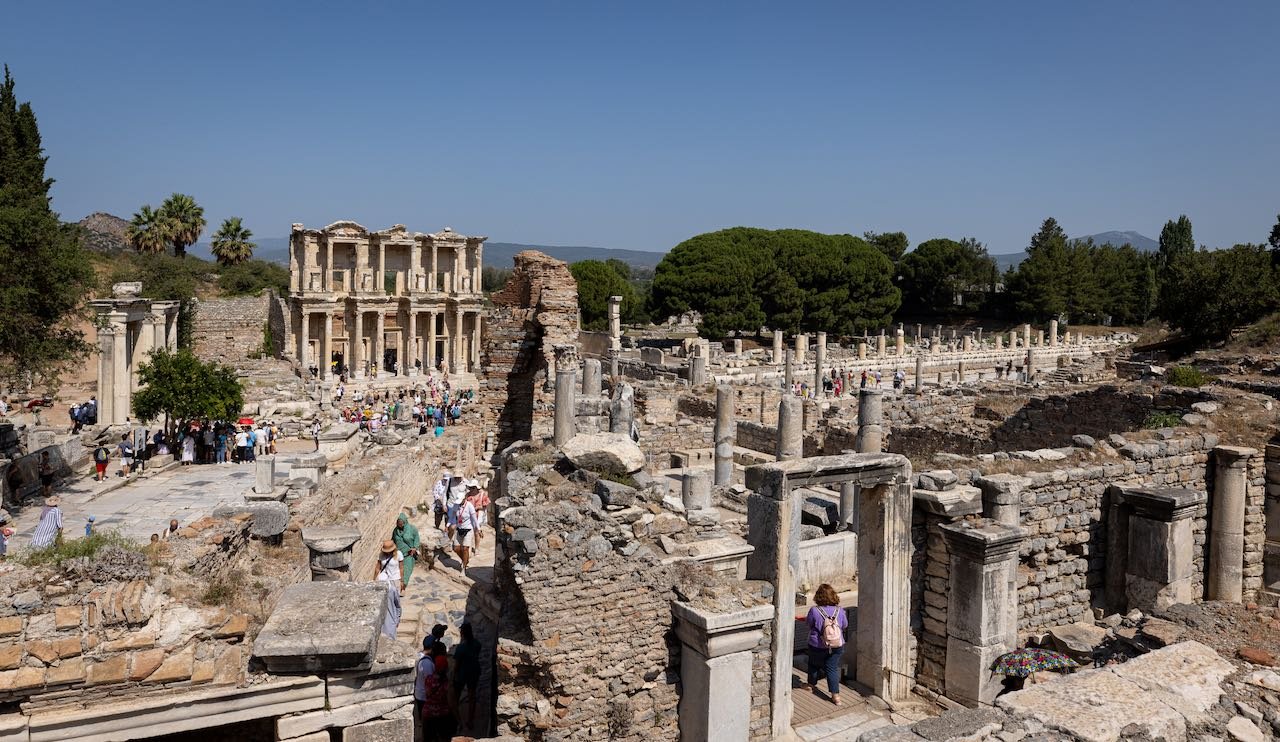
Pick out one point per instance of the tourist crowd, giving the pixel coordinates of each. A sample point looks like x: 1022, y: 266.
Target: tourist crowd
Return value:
x: 843, y: 382
x: 432, y: 405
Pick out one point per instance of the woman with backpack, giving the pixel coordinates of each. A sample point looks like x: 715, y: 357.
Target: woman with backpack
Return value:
x: 827, y: 624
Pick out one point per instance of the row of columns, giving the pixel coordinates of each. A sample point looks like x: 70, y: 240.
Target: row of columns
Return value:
x: 461, y: 279
x: 123, y: 346
x: 410, y: 346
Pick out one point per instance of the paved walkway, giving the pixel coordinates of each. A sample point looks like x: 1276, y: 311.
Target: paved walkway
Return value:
x: 143, y: 506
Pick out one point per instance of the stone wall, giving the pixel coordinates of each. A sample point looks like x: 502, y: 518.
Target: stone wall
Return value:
x: 407, y: 476
x: 231, y: 329
x: 534, y: 312
x: 930, y: 588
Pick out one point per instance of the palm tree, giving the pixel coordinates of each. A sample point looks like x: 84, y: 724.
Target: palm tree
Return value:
x: 231, y: 244
x: 149, y: 230
x: 188, y: 221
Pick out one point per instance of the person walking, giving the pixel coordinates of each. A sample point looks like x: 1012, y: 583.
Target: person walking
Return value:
x: 466, y: 523
x: 49, y: 529
x: 46, y: 474
x: 101, y: 458
x: 466, y: 675
x: 827, y: 624
x: 189, y: 448
x: 388, y: 567
x: 126, y: 455
x: 438, y: 720
x: 407, y: 541
x: 315, y: 432
x: 440, y: 497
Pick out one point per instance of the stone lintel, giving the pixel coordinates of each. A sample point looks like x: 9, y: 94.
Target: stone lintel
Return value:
x: 983, y: 540
x: 1233, y: 455
x: 959, y: 501
x: 866, y: 469
x: 718, y: 634
x: 328, y: 539
x: 1163, y: 504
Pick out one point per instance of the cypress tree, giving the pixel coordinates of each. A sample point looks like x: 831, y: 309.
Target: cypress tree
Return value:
x: 46, y: 270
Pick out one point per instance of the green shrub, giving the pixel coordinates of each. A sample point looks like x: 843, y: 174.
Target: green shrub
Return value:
x: 224, y: 589
x: 1188, y: 376
x: 1162, y: 420
x: 54, y: 556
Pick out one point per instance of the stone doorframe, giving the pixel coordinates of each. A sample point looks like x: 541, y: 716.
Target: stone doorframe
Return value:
x: 884, y: 565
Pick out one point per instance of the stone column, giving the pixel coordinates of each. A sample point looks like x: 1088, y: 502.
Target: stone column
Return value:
x: 356, y: 335
x: 141, y: 350
x: 431, y: 336
x: 455, y: 350
x: 1031, y: 367
x: 1053, y: 333
x: 411, y: 352
x: 591, y: 378
x: 615, y: 322
x: 566, y: 402
x: 802, y: 347
x: 870, y: 436
x: 328, y: 265
x: 1160, y: 561
x: 820, y: 354
x: 900, y: 343
x: 478, y: 254
x: 113, y: 385
x: 264, y: 475
x: 622, y: 409
x: 884, y: 590
x: 1225, y: 580
x: 966, y: 344
x: 434, y: 283
x: 848, y: 507
x: 737, y: 346
x: 1001, y: 497
x: 1026, y: 335
x: 919, y: 374
x: 724, y: 434
x: 716, y: 670
x: 697, y: 369
x: 999, y: 341
x: 613, y: 362
x: 862, y: 350
x: 919, y: 333
x: 475, y: 340
x: 326, y: 347
x: 880, y: 345
x: 379, y: 339
x: 329, y: 551
x: 777, y: 347
x: 790, y: 428
x: 982, y: 617
x: 304, y: 343
x: 788, y: 371
x: 1013, y: 338
x: 695, y: 490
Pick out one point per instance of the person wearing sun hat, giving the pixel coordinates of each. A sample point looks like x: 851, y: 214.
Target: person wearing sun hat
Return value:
x: 49, y: 530
x: 389, y: 572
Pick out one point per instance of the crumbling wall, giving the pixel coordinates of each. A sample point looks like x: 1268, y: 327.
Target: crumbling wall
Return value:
x: 232, y: 329
x: 586, y: 649
x: 930, y: 588
x: 536, y: 311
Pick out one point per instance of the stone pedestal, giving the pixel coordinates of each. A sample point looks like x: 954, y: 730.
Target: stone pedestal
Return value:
x: 737, y: 346
x: 790, y: 428
x: 1225, y: 579
x: 264, y: 475
x: 566, y: 393
x: 1001, y: 497
x: 870, y: 434
x: 1160, y: 559
x: 591, y: 383
x: 695, y: 490
x: 724, y: 434
x: 329, y: 551
x: 982, y: 617
x: 777, y: 347
x: 715, y: 670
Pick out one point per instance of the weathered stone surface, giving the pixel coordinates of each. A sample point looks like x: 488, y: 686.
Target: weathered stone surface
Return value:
x: 1077, y: 639
x: 1268, y: 679
x: 1257, y: 656
x: 604, y: 452
x: 345, y: 716
x: 328, y: 539
x: 385, y: 730
x: 1163, y: 633
x: 1083, y: 441
x: 323, y: 626
x: 1185, y: 676
x: 969, y: 723
x: 269, y: 518
x: 937, y: 480
x: 1243, y: 730
x: 615, y: 493
x: 1094, y: 705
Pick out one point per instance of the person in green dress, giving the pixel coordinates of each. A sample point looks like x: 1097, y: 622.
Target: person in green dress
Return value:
x: 407, y: 542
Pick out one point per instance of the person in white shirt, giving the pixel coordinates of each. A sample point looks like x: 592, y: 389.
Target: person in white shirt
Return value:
x: 440, y: 497
x: 388, y: 567
x: 466, y: 525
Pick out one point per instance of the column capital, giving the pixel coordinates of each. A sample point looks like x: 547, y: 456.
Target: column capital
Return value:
x: 566, y: 357
x: 1233, y: 455
x: 717, y: 634
x: 984, y: 541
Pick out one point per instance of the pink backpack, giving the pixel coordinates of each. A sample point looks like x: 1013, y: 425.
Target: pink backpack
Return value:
x: 832, y: 634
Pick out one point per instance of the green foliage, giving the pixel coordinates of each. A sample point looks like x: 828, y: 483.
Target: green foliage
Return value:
x: 791, y: 279
x: 1188, y: 376
x: 1080, y: 280
x: 1177, y: 246
x: 597, y: 281
x: 185, y: 220
x: 493, y: 279
x: 149, y: 230
x: 231, y: 244
x: 1262, y: 333
x: 250, y: 277
x: 166, y: 277
x: 267, y: 349
x: 45, y: 271
x: 892, y: 244
x: 938, y: 271
x: 1215, y: 291
x: 183, y: 387
x: 1157, y: 420
x: 87, y: 546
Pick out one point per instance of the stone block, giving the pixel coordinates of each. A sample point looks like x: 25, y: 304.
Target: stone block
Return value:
x: 67, y: 617
x: 385, y: 730
x: 1094, y: 705
x: 323, y: 626
x: 109, y: 671
x: 1185, y: 676
x: 24, y: 678
x: 174, y: 668
x: 10, y: 656
x: 66, y: 672
x: 604, y: 452
x: 145, y: 662
x: 345, y: 716
x: 10, y: 626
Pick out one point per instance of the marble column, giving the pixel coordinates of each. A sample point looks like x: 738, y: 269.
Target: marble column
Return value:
x: 880, y: 345
x: 591, y: 378
x: 411, y: 354
x: 304, y: 343
x: 475, y: 341
x: 982, y: 617
x: 884, y: 590
x: 724, y: 434
x: 870, y: 414
x: 788, y: 370
x: 790, y: 428
x: 777, y: 347
x: 697, y: 370
x: 1225, y: 580
x: 120, y: 389
x: 355, y: 343
x: 107, y: 334
x: 379, y: 339
x: 615, y: 322
x: 434, y: 283
x: 802, y: 348
x: 1031, y: 368
x: 565, y: 399
x: 820, y: 354
x: 862, y: 350
x: 326, y: 347
x: 455, y: 344
x: 695, y: 490
x: 1053, y: 333
x: 919, y: 374
x: 431, y: 336
x: 900, y: 343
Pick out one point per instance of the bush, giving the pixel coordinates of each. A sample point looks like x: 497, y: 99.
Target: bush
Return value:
x: 76, y: 548
x: 1188, y: 376
x: 224, y: 589
x: 1162, y: 420
x: 251, y: 277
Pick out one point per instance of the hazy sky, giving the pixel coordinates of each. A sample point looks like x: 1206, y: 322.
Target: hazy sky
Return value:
x: 637, y: 125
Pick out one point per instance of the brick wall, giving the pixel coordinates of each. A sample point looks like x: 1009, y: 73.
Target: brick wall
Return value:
x: 231, y: 329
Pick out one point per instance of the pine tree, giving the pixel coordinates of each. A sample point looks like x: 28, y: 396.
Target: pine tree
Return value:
x: 1177, y: 246
x: 46, y: 271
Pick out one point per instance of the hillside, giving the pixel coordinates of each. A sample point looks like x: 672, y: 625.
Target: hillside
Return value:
x: 1139, y: 241
x: 105, y: 232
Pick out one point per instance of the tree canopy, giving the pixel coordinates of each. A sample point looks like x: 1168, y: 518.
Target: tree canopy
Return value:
x: 939, y: 271
x: 183, y: 387
x: 893, y: 244
x: 1219, y: 290
x: 597, y: 281
x: 47, y: 271
x: 231, y: 243
x: 790, y: 279
x: 186, y: 221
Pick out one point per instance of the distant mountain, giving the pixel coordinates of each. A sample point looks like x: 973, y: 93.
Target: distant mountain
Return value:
x: 105, y: 232
x: 1139, y: 241
x: 496, y: 254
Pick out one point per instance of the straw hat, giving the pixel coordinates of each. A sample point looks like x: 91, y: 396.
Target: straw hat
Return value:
x: 53, y: 500
x: 388, y: 546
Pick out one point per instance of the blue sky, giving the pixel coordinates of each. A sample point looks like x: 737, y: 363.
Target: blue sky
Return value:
x: 637, y: 125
